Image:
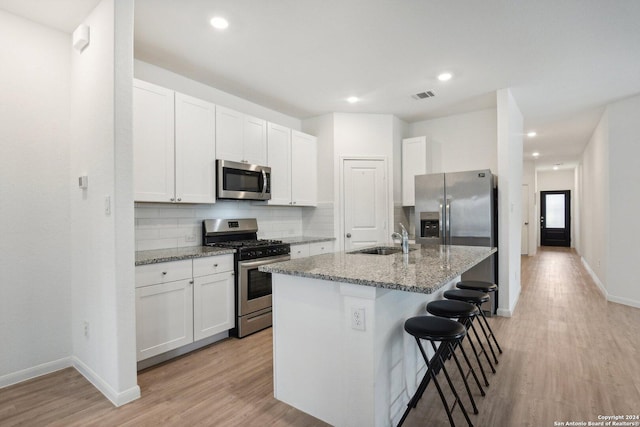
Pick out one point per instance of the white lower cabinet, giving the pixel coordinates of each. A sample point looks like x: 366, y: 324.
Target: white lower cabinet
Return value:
x: 212, y: 304
x: 299, y: 251
x: 319, y: 248
x: 303, y: 250
x: 164, y: 317
x: 180, y: 302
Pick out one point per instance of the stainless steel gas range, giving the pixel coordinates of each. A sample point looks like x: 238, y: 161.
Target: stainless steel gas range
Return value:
x: 253, y: 288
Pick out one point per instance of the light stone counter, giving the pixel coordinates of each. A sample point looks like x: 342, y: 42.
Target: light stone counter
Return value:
x: 176, y: 254
x: 424, y: 270
x: 299, y: 240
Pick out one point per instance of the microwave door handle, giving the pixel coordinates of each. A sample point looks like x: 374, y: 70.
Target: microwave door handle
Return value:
x: 264, y: 183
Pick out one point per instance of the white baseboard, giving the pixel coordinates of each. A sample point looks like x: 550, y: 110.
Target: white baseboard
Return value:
x: 503, y: 312
x: 35, y: 371
x: 595, y: 278
x: 613, y: 298
x: 626, y: 301
x: 117, y: 398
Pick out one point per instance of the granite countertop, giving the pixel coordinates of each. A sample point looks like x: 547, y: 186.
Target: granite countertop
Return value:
x: 299, y: 240
x: 424, y: 270
x: 177, y: 254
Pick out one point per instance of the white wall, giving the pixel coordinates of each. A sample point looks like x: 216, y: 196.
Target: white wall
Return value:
x: 467, y: 141
x: 102, y: 246
x: 160, y: 76
x: 624, y: 199
x: 510, y: 132
x: 35, y: 294
x: 529, y: 178
x: 594, y: 231
x: 563, y: 179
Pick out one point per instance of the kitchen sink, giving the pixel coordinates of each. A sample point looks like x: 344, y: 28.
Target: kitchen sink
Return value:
x: 379, y: 250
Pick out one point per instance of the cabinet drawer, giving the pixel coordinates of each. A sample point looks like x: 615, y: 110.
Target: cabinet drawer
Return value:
x: 212, y: 265
x: 320, y: 248
x: 299, y: 251
x: 163, y: 272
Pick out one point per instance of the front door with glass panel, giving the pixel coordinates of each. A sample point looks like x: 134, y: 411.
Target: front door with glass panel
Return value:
x: 555, y: 218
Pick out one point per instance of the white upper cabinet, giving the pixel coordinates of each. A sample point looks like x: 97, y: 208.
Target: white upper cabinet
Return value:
x: 240, y: 138
x: 304, y: 169
x: 255, y: 140
x: 173, y: 146
x: 294, y: 171
x: 419, y: 156
x: 195, y: 150
x: 279, y: 155
x: 153, y: 143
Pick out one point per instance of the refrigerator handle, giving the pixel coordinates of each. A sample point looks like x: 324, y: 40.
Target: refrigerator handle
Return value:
x: 442, y: 224
x: 447, y: 214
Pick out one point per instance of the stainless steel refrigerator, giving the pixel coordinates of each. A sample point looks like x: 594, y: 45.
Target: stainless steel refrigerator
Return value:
x: 459, y: 208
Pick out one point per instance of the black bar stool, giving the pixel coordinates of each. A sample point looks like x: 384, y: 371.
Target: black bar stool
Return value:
x: 448, y: 333
x: 482, y: 286
x: 465, y: 313
x: 476, y: 298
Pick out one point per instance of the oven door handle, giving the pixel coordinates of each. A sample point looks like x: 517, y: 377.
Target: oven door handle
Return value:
x: 263, y: 261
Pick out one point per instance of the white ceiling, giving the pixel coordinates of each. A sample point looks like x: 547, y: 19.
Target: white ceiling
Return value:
x: 563, y: 60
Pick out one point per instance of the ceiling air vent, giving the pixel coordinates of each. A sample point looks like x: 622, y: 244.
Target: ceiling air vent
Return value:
x: 423, y: 95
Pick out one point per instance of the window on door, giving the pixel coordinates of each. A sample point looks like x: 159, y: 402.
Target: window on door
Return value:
x: 555, y: 218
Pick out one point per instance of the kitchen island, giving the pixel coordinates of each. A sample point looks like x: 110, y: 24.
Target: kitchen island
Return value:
x: 339, y: 348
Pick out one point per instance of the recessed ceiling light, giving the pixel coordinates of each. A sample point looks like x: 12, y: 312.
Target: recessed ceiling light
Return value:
x: 531, y: 134
x: 555, y: 168
x: 219, y: 22
x: 535, y: 154
x: 352, y: 99
x: 445, y: 77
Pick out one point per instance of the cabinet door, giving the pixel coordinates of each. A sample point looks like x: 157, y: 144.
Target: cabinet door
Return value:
x: 414, y: 162
x: 195, y: 150
x: 279, y: 159
x: 304, y: 169
x: 299, y: 251
x: 164, y: 317
x: 213, y: 304
x: 255, y: 140
x: 153, y: 142
x: 229, y: 125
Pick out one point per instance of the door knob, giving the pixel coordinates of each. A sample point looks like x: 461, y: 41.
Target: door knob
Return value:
x: 348, y: 235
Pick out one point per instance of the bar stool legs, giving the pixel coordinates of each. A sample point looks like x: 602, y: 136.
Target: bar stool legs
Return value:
x: 448, y: 333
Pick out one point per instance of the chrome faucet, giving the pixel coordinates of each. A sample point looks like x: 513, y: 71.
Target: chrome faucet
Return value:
x: 404, y: 237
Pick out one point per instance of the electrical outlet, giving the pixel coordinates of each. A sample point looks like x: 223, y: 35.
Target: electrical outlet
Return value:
x: 85, y: 325
x: 190, y: 238
x: 358, y: 319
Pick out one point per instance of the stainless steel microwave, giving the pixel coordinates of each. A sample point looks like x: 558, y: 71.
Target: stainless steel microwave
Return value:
x: 243, y: 181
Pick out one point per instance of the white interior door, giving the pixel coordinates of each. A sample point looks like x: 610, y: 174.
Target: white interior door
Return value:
x: 525, y: 220
x: 365, y: 203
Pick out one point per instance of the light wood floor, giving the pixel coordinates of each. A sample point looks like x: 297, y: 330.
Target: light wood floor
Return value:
x: 568, y: 356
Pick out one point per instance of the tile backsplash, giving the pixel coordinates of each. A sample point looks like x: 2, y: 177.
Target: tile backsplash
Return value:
x: 160, y: 226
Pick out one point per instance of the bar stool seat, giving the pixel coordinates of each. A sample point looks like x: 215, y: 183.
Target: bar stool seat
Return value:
x: 467, y: 295
x: 452, y: 308
x: 448, y: 333
x: 477, y: 285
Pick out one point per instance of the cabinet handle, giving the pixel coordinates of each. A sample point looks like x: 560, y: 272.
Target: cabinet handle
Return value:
x: 294, y: 203
x: 215, y: 265
x: 233, y: 274
x: 172, y: 199
x: 164, y: 273
x: 179, y: 199
x: 191, y: 282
